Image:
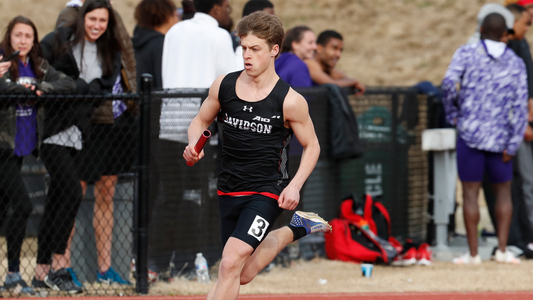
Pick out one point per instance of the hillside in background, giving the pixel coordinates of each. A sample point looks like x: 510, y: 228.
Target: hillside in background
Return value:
x: 387, y: 42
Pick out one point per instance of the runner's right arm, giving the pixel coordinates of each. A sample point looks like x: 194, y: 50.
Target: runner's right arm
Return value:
x: 204, y: 118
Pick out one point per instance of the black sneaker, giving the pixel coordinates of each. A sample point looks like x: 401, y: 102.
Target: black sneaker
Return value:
x: 38, y: 284
x: 61, y: 280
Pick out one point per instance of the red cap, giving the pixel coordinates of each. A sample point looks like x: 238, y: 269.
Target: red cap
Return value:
x: 524, y: 2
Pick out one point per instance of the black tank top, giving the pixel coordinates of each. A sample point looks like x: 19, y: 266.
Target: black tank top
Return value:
x: 255, y: 144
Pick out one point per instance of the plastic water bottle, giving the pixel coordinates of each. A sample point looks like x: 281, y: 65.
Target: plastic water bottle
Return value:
x: 202, y: 271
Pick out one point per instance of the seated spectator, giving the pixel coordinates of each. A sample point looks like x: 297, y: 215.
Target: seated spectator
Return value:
x: 323, y: 67
x: 87, y: 51
x: 154, y: 19
x: 299, y: 45
x: 488, y: 137
x: 28, y: 74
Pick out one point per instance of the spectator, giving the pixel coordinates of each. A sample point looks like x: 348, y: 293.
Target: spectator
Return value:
x: 528, y: 5
x: 129, y: 74
x: 299, y: 44
x: 188, y: 9
x: 488, y: 138
x: 154, y: 19
x: 87, y: 51
x: 29, y: 74
x: 485, y: 11
x: 521, y: 232
x: 197, y: 51
x: 250, y: 7
x: 322, y: 68
x: 257, y: 5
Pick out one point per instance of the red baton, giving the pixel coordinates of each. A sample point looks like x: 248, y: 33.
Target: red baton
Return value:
x: 201, y: 143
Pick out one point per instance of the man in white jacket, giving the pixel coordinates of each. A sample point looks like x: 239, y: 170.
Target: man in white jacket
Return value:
x: 197, y: 51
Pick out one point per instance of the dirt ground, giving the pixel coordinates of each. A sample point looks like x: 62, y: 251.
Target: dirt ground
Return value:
x: 325, y: 276
x: 396, y: 43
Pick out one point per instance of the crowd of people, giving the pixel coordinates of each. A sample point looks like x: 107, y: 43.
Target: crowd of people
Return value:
x: 79, y: 142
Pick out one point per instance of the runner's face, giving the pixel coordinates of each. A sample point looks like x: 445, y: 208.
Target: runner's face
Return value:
x: 22, y: 39
x: 257, y: 54
x: 96, y: 24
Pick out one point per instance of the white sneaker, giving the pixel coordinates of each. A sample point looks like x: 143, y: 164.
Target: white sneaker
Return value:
x: 506, y: 257
x: 466, y: 259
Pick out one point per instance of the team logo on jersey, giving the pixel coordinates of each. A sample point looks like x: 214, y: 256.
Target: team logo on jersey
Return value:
x: 247, y: 125
x: 260, y: 119
x: 248, y: 108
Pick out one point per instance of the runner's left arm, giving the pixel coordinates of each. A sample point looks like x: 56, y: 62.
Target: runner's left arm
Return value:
x: 296, y: 113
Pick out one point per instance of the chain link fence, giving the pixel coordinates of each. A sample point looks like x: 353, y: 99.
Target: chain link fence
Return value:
x: 138, y: 208
x: 67, y: 194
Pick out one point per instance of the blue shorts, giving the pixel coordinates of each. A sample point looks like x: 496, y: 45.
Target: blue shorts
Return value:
x: 472, y: 163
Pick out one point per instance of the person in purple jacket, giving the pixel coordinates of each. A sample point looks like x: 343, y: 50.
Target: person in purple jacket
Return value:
x: 21, y: 130
x: 490, y: 114
x: 299, y: 44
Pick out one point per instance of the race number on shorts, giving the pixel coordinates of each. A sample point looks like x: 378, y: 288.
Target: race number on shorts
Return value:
x: 258, y: 228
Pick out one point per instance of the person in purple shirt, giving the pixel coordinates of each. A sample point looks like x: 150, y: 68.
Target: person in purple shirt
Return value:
x: 299, y: 44
x: 490, y: 114
x: 26, y: 74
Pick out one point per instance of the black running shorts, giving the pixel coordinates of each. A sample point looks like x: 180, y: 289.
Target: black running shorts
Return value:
x: 247, y: 218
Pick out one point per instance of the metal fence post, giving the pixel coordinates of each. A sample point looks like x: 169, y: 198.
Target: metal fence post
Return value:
x: 144, y: 184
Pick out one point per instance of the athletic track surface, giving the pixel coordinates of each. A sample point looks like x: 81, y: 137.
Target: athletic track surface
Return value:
x: 361, y: 296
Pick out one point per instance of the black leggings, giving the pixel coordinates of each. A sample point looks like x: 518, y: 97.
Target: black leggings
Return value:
x: 62, y: 202
x: 13, y: 193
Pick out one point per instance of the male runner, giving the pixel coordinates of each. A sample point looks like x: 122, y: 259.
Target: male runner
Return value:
x: 258, y: 113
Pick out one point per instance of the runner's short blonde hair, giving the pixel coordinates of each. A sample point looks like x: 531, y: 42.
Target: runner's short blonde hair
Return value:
x: 264, y: 26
